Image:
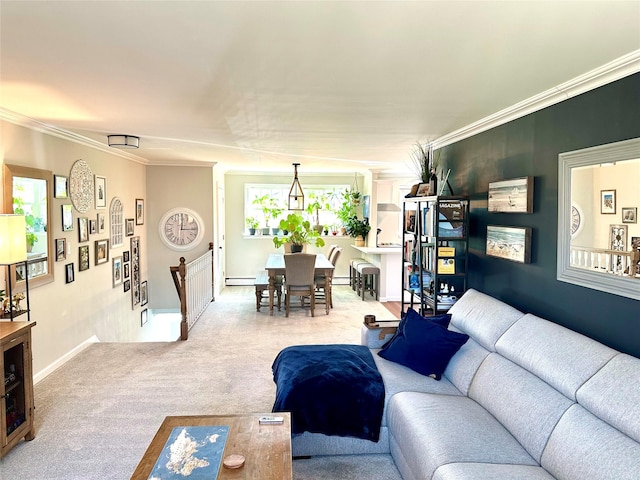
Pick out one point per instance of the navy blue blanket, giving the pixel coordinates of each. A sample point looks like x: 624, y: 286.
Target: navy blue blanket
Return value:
x: 330, y: 389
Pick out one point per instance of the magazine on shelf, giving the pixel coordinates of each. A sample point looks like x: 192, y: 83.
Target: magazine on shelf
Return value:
x: 446, y: 266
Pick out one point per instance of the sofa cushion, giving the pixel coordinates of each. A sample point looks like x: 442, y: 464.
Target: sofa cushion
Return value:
x: 483, y: 317
x: 430, y: 430
x: 412, y: 316
x: 584, y: 447
x: 423, y: 346
x: 613, y: 394
x: 528, y: 407
x: 561, y: 357
x: 464, y: 365
x: 490, y: 471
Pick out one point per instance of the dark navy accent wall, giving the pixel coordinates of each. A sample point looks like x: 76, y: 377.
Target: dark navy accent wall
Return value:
x: 530, y: 146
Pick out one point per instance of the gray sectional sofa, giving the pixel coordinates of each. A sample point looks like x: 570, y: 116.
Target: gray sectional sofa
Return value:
x: 524, y: 398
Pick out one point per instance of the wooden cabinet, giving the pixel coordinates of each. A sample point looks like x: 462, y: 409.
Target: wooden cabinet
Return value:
x: 16, y: 392
x: 435, y: 252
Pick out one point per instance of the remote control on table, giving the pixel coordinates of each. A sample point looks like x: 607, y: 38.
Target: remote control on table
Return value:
x: 271, y: 419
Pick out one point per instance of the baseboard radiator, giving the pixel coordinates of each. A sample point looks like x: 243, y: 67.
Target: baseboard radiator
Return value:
x: 194, y: 284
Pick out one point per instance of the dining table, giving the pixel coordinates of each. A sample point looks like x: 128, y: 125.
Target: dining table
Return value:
x: 275, y: 266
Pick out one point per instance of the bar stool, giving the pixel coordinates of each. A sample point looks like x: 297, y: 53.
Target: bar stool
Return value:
x: 368, y: 274
x: 353, y: 272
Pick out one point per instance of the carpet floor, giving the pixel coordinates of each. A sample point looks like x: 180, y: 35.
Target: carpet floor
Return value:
x: 96, y: 415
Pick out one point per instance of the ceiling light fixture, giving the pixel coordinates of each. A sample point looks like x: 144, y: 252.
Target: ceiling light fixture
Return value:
x: 123, y: 141
x: 296, y: 195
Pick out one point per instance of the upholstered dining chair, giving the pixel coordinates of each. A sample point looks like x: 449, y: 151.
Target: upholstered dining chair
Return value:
x: 321, y: 281
x: 298, y: 279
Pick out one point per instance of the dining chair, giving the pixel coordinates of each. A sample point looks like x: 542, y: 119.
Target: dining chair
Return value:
x: 321, y: 280
x: 298, y: 279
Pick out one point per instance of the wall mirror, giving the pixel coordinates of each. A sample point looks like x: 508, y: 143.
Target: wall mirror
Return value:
x: 598, y: 229
x: 28, y: 191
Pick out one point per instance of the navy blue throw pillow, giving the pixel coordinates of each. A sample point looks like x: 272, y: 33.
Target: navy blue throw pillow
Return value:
x: 415, y: 316
x: 423, y: 345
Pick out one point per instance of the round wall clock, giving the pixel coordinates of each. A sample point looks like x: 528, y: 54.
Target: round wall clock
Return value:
x: 81, y: 186
x: 181, y: 229
x: 576, y: 220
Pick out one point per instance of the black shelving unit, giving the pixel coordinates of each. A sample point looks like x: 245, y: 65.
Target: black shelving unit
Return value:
x: 435, y: 252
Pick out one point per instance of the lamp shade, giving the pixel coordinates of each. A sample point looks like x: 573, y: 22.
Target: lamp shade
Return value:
x: 13, y: 240
x: 296, y: 195
x: 123, y: 141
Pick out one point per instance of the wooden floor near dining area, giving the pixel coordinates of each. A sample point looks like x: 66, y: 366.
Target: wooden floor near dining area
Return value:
x: 394, y: 307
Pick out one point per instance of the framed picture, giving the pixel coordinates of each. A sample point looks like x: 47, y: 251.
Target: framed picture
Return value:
x: 423, y: 190
x: 139, y: 211
x: 101, y: 222
x: 144, y: 294
x: 618, y: 237
x: 125, y: 256
x: 67, y: 218
x: 102, y: 251
x: 83, y: 258
x: 366, y: 206
x: 129, y: 227
x: 116, y: 263
x: 510, y: 243
x: 60, y: 186
x: 83, y: 229
x: 607, y: 201
x: 68, y: 271
x: 126, y: 270
x: 127, y: 285
x: 100, y: 191
x: 410, y: 221
x: 511, y: 196
x: 61, y: 249
x: 629, y: 214
x: 143, y: 317
x: 92, y: 226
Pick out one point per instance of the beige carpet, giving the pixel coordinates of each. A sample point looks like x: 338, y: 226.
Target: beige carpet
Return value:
x: 96, y: 415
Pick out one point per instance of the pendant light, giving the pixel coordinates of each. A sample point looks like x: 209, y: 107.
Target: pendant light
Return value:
x: 296, y: 195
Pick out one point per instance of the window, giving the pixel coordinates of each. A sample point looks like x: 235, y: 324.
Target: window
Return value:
x: 267, y: 204
x: 116, y: 222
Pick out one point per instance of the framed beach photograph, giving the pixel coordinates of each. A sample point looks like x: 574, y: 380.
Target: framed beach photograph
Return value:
x: 511, y: 196
x: 101, y: 251
x: 423, y: 190
x: 128, y: 222
x: 100, y: 191
x: 83, y: 229
x: 139, y: 211
x: 67, y: 218
x: 629, y: 214
x: 60, y: 186
x: 510, y: 243
x: 83, y: 258
x: 61, y: 249
x: 607, y: 202
x: 144, y: 294
x: 69, y: 275
x: 116, y: 263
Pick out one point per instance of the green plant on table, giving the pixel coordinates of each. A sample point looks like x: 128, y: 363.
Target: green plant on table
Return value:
x: 300, y: 232
x: 356, y: 227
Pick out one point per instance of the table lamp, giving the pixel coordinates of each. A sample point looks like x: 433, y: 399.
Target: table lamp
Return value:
x: 13, y: 243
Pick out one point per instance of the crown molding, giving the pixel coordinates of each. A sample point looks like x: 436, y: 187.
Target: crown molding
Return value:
x: 608, y: 73
x: 23, y: 121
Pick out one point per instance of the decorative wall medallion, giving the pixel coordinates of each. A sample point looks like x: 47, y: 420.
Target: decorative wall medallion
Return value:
x: 81, y: 186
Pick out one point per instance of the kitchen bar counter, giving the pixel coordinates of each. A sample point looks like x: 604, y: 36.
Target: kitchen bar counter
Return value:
x: 388, y: 258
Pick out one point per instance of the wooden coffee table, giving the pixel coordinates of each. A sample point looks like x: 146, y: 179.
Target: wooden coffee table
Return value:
x: 266, y: 448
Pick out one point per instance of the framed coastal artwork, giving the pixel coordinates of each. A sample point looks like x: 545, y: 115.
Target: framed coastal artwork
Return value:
x: 510, y: 243
x: 511, y: 196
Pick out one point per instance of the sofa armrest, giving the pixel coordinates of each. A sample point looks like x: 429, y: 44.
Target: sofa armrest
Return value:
x: 376, y: 335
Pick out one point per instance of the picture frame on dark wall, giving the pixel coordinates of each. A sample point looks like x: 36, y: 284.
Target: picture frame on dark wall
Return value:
x: 509, y: 243
x: 511, y: 196
x: 607, y: 202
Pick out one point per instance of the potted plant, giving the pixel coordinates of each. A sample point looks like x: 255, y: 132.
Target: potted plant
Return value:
x: 317, y: 203
x: 300, y: 233
x: 275, y: 212
x: 30, y: 221
x: 425, y: 165
x: 346, y: 210
x: 358, y: 229
x: 267, y: 204
x: 252, y: 224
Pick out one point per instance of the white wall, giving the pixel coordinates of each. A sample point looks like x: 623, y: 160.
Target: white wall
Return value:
x: 68, y: 315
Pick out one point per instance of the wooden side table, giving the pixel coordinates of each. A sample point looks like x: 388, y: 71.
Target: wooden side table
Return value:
x: 16, y: 390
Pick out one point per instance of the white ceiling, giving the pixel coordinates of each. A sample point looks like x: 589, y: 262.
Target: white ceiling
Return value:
x: 338, y: 86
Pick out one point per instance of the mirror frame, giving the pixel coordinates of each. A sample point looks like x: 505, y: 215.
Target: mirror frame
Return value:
x: 609, y: 283
x: 9, y: 172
